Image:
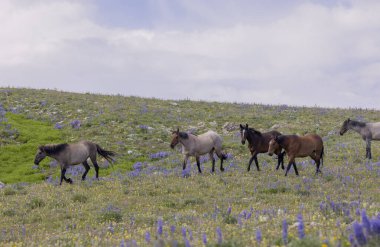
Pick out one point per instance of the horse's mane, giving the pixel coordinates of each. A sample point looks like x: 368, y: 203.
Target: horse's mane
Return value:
x: 54, y: 149
x: 357, y: 123
x: 255, y: 131
x: 183, y: 135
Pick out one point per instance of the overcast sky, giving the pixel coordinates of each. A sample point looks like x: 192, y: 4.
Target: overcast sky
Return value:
x: 324, y: 53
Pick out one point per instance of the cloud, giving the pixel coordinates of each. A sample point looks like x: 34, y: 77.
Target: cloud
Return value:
x: 310, y: 54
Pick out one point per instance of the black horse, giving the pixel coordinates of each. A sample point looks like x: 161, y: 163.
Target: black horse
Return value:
x: 259, y: 143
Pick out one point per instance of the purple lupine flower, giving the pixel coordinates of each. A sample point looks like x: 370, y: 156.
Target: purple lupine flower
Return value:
x: 229, y: 209
x: 183, y: 230
x: 190, y: 235
x: 160, y: 224
x: 301, y: 226
x: 219, y: 235
x: 359, y: 234
x: 172, y: 229
x: 75, y: 124
x: 138, y: 166
x: 351, y: 239
x: 187, y: 242
x: 58, y: 126
x: 375, y: 226
x: 357, y: 211
x: 147, y: 237
x: 259, y: 236
x: 248, y: 216
x: 366, y: 223
x: 285, y: 232
x: 204, y: 238
x: 122, y: 243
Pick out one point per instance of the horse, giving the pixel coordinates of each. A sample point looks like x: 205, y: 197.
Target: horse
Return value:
x: 258, y: 143
x: 193, y: 145
x: 73, y: 154
x: 368, y: 131
x: 299, y: 146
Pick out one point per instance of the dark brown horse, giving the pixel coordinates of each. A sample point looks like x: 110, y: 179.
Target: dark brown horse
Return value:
x: 73, y: 154
x: 299, y: 146
x: 259, y: 143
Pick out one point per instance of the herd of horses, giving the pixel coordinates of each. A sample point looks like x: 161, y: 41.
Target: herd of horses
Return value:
x: 272, y: 142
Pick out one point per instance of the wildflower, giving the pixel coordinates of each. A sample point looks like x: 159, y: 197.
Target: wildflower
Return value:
x: 285, y: 231
x: 301, y: 226
x: 259, y: 236
x: 172, y: 229
x: 75, y: 124
x: 229, y: 210
x: 204, y: 238
x: 219, y: 235
x: 183, y: 230
x: 365, y: 221
x: 359, y: 235
x: 58, y: 126
x: 375, y: 226
x: 187, y: 243
x: 159, y: 226
x: 147, y: 237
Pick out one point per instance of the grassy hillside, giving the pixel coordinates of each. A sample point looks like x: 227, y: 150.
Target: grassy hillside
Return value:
x: 145, y: 189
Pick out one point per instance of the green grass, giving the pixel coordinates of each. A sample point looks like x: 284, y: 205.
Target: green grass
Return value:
x: 16, y: 159
x: 122, y: 206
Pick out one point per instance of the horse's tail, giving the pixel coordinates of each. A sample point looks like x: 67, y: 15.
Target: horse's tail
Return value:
x: 105, y: 154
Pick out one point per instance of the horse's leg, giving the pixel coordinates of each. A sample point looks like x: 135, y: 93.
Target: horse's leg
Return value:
x: 63, y: 177
x: 185, y: 162
x: 291, y: 161
x: 221, y: 157
x: 318, y: 162
x: 251, y: 159
x: 96, y: 166
x: 211, y: 154
x: 368, y: 148
x: 87, y: 167
x: 282, y: 160
x: 295, y: 168
x: 257, y: 163
x: 198, y: 163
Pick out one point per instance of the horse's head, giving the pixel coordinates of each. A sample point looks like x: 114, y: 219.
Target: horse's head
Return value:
x: 344, y: 127
x: 175, y: 138
x: 273, y: 146
x: 40, y: 155
x: 243, y: 133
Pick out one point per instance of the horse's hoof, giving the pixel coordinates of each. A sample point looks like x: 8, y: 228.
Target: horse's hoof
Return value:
x: 222, y: 169
x: 69, y: 181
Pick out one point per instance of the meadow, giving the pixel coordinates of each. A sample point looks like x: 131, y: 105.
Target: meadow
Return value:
x: 145, y: 199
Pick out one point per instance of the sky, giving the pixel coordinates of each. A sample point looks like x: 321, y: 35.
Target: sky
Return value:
x: 305, y: 53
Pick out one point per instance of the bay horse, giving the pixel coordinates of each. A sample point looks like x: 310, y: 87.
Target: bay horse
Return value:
x: 259, y: 143
x: 368, y: 131
x: 73, y: 154
x: 299, y: 146
x: 193, y: 145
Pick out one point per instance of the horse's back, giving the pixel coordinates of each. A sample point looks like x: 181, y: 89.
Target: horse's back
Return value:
x: 375, y: 130
x: 212, y: 138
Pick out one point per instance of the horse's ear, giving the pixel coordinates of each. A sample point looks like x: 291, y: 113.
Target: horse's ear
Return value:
x: 41, y: 148
x: 246, y: 126
x: 241, y: 127
x: 348, y: 120
x: 177, y: 130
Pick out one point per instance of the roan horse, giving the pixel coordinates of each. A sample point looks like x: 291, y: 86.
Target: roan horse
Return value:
x: 193, y: 145
x: 259, y: 143
x: 73, y: 154
x: 368, y: 131
x: 299, y: 146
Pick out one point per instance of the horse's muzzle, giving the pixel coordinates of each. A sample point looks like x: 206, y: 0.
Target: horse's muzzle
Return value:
x: 243, y: 142
x: 172, y: 146
x: 36, y: 162
x: 270, y: 154
x: 341, y: 133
